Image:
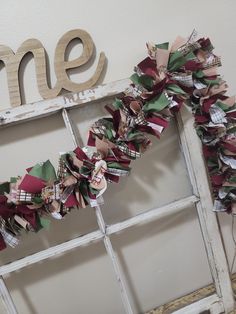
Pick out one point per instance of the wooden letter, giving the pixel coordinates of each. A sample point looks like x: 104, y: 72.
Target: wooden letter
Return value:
x: 12, y: 63
x: 61, y: 65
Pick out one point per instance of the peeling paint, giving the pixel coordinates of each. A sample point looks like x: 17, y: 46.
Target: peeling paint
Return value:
x: 41, y: 108
x: 21, y: 115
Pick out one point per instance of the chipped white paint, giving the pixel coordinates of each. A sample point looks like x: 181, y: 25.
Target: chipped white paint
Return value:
x: 71, y: 100
x: 115, y: 263
x: 6, y: 297
x: 69, y: 127
x: 212, y: 302
x: 91, y: 237
x: 208, y: 219
x: 51, y: 252
x: 102, y: 227
x: 152, y: 214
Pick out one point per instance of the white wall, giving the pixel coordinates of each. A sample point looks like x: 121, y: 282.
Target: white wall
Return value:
x: 161, y: 260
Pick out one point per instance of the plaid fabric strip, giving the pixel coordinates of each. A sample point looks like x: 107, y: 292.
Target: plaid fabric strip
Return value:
x: 56, y: 191
x: 97, y: 128
x: 193, y: 36
x: 51, y: 193
x: 210, y: 140
x: 218, y: 206
x: 213, y: 61
x: 126, y: 111
x: 199, y: 85
x: 9, y: 238
x: 217, y: 114
x: 67, y: 192
x: 125, y: 149
x: 185, y: 79
x: 118, y: 172
x: 189, y: 47
x: 135, y: 91
x: 139, y: 119
x: 229, y: 161
x: 61, y: 171
x: 232, y: 196
x: 66, y: 170
x: 23, y: 196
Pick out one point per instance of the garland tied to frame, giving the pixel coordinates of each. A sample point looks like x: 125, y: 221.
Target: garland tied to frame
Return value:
x: 185, y: 72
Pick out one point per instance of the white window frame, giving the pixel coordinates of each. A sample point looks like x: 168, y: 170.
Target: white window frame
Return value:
x: 220, y: 302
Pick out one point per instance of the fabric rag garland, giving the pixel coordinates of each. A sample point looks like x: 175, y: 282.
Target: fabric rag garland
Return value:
x: 185, y: 72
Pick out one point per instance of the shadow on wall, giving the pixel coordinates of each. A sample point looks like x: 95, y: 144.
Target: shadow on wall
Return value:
x: 53, y: 267
x: 31, y: 130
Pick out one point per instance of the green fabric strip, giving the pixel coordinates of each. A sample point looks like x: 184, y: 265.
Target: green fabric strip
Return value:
x: 143, y: 80
x: 4, y: 188
x: 44, y: 171
x: 44, y: 222
x: 118, y: 104
x: 156, y: 104
x: 164, y: 46
x: 175, y: 89
x: 116, y: 165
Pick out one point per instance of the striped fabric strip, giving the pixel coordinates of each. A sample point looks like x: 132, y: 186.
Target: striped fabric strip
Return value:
x: 8, y: 237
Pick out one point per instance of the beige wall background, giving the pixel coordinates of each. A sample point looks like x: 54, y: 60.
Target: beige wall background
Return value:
x: 161, y: 260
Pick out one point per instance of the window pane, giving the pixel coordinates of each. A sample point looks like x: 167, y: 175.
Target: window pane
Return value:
x: 26, y: 144
x: 81, y: 281
x: 22, y: 146
x: 163, y: 260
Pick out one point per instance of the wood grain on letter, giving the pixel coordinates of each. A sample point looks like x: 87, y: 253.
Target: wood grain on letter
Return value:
x: 13, y: 60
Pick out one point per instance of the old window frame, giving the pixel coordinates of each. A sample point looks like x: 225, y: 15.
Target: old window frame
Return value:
x: 223, y: 299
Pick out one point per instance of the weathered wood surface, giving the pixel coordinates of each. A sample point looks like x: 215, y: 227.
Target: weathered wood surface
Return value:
x: 6, y: 298
x: 88, y: 238
x: 190, y: 298
x: 208, y: 219
x: 44, y: 108
x: 102, y: 226
x: 192, y: 303
x: 224, y: 299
